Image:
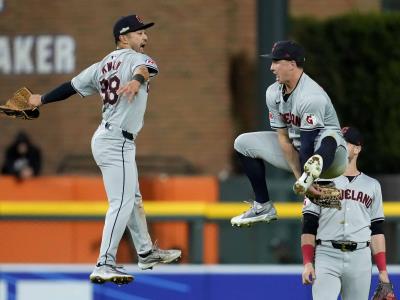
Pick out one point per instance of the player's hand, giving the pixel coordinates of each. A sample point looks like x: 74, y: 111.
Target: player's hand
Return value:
x: 129, y: 90
x: 308, y: 275
x: 314, y: 190
x: 35, y: 100
x: 384, y: 277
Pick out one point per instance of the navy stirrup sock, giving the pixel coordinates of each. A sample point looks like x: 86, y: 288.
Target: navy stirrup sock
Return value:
x: 255, y: 171
x: 327, y: 151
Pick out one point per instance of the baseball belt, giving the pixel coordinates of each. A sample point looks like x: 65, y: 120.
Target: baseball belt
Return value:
x: 344, y: 245
x: 125, y: 134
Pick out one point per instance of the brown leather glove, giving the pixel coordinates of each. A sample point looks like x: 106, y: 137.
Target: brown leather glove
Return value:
x: 18, y: 106
x: 330, y: 197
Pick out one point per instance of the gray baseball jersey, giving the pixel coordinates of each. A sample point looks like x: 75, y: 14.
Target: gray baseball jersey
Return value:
x: 348, y: 273
x: 107, y: 76
x: 114, y: 149
x: 307, y: 108
x: 361, y: 205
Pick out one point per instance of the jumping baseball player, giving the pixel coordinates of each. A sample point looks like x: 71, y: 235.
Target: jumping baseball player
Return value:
x: 122, y: 80
x: 345, y: 238
x: 307, y: 134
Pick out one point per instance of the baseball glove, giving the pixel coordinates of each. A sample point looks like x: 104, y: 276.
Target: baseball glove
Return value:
x: 18, y: 106
x: 384, y: 291
x: 330, y: 197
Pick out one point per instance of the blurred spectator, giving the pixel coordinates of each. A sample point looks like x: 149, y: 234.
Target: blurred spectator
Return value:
x: 22, y: 158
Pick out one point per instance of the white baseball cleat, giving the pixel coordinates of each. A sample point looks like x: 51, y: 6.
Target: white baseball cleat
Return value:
x: 114, y: 274
x: 258, y: 212
x: 312, y: 171
x: 157, y: 256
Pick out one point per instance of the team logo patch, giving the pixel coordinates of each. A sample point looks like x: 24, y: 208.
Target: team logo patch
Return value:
x: 271, y: 116
x: 123, y: 30
x: 311, y: 119
x: 150, y: 62
x: 306, y: 202
x: 140, y: 20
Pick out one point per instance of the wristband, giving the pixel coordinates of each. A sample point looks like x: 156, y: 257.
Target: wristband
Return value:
x: 380, y: 260
x: 308, y: 253
x: 139, y: 77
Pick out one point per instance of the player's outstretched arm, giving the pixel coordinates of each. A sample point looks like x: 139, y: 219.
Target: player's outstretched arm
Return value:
x: 140, y: 76
x: 61, y: 92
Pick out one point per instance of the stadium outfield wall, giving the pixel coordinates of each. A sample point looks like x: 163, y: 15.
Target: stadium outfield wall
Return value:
x: 66, y: 282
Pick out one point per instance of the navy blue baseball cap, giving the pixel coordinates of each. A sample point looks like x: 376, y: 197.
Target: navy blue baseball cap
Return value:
x: 353, y: 136
x: 287, y: 50
x: 127, y: 24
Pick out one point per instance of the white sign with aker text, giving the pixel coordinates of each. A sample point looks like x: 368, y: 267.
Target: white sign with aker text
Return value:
x: 43, y: 54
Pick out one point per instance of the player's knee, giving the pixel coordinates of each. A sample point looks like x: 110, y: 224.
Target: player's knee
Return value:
x: 240, y: 144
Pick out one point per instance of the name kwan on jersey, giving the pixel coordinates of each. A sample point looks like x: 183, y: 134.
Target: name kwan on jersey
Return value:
x: 42, y: 54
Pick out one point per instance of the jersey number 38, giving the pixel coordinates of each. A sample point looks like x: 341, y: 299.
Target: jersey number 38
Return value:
x: 109, y: 88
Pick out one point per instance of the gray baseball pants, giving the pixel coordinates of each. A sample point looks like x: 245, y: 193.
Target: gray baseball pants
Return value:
x: 115, y: 156
x: 344, y: 273
x: 265, y: 145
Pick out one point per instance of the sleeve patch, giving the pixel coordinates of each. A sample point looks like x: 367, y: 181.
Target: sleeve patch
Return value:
x: 311, y: 119
x: 150, y: 62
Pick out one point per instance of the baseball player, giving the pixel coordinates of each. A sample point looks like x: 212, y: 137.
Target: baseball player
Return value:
x: 121, y: 78
x: 307, y: 134
x: 344, y: 238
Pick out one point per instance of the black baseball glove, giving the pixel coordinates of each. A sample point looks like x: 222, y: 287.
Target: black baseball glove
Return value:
x: 384, y: 291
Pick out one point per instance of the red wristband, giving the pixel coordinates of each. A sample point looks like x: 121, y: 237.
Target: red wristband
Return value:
x: 380, y: 260
x: 308, y: 253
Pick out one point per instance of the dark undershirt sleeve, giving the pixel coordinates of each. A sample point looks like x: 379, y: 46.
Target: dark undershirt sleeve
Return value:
x: 61, y: 92
x: 307, y: 139
x: 310, y: 224
x: 377, y: 227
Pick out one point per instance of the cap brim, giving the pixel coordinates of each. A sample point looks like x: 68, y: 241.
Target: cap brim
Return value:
x: 145, y: 26
x: 270, y: 56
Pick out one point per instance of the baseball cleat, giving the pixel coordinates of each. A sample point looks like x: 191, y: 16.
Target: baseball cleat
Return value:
x: 258, y: 212
x: 114, y: 274
x: 157, y: 256
x: 312, y: 171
